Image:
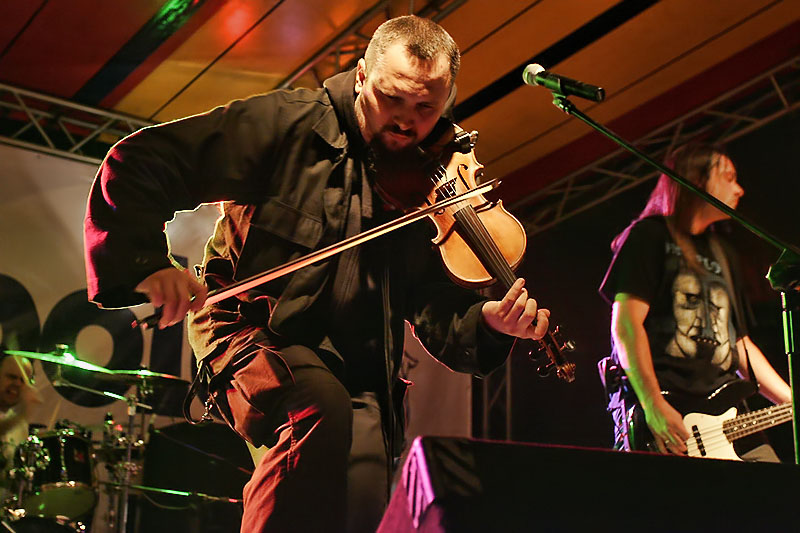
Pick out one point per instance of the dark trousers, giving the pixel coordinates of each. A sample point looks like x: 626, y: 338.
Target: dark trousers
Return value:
x: 326, y: 468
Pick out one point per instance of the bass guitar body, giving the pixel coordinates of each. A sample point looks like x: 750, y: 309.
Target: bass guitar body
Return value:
x: 708, y: 419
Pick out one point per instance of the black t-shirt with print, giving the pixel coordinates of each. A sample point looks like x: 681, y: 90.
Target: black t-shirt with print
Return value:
x: 691, y: 324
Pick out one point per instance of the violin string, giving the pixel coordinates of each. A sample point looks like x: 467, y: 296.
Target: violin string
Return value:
x: 474, y: 233
x: 492, y: 252
x: 472, y: 224
x: 502, y: 268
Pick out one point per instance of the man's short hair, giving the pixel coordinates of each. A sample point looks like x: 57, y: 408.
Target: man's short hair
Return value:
x: 424, y: 39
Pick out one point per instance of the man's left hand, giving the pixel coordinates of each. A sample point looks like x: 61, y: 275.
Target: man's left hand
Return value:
x: 515, y: 314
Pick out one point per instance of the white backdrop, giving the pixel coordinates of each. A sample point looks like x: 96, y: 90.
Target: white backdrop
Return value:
x: 42, y: 202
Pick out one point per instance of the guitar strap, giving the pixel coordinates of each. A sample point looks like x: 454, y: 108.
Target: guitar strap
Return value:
x: 738, y: 307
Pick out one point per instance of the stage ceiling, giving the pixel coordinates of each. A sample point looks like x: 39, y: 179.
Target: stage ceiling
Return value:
x: 163, y: 59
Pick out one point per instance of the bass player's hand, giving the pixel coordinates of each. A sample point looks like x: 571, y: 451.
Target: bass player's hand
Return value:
x: 666, y: 425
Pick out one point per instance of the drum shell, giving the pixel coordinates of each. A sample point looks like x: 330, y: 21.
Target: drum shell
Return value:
x: 35, y: 524
x: 66, y: 487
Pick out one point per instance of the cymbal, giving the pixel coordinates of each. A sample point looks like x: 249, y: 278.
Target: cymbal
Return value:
x: 145, y: 376
x: 67, y: 359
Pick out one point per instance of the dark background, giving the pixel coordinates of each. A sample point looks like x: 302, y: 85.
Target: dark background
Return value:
x: 565, y: 265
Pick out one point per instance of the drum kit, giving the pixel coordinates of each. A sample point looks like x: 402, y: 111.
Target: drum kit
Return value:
x: 52, y: 484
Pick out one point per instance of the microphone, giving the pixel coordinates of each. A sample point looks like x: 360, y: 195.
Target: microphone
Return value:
x: 535, y: 74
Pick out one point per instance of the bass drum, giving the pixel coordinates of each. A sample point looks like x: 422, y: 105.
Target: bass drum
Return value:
x: 65, y: 487
x: 35, y: 524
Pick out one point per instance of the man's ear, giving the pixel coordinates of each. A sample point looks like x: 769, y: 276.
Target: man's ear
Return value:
x: 447, y: 112
x: 361, y: 75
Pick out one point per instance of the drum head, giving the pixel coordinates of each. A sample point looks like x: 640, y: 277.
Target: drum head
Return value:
x: 68, y: 499
x: 34, y: 524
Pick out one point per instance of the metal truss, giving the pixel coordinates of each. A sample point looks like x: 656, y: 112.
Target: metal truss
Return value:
x: 344, y: 50
x: 55, y: 126
x: 496, y: 405
x: 749, y: 107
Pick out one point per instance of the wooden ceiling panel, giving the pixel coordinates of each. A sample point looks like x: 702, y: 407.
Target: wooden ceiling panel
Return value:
x: 476, y: 20
x: 195, y: 54
x: 56, y: 54
x: 646, y: 58
x: 14, y: 14
x: 507, y: 46
x: 289, y: 36
x: 397, y: 8
x: 730, y: 74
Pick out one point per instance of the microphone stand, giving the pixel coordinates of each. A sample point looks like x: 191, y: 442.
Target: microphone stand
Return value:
x: 783, y: 275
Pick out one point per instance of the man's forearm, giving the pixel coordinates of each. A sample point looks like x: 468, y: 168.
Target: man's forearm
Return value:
x: 635, y: 358
x: 633, y: 349
x: 771, y: 384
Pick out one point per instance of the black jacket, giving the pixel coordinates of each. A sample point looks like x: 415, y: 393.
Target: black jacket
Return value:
x: 285, y: 165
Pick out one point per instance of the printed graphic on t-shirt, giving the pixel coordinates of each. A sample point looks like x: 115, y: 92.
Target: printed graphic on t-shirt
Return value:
x: 702, y: 310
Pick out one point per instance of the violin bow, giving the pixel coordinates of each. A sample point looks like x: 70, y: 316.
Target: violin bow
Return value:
x: 234, y: 289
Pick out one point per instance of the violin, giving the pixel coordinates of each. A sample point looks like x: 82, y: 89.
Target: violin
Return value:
x: 479, y: 241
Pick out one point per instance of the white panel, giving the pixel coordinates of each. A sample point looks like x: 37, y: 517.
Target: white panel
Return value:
x: 41, y: 246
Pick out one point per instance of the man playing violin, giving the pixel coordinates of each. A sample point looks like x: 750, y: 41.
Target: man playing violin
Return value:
x: 304, y: 367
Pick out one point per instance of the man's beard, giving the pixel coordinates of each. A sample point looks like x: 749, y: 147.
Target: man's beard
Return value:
x: 382, y: 158
x: 396, y: 131
x: 399, y: 173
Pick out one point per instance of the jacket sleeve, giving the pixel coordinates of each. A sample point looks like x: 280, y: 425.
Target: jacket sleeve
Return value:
x: 150, y: 175
x: 447, y: 320
x: 458, y: 336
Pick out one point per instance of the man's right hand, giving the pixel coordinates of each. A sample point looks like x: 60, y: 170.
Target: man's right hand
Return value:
x: 175, y: 291
x: 666, y: 425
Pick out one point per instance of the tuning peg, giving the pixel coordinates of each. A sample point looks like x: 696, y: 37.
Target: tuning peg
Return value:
x: 465, y: 141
